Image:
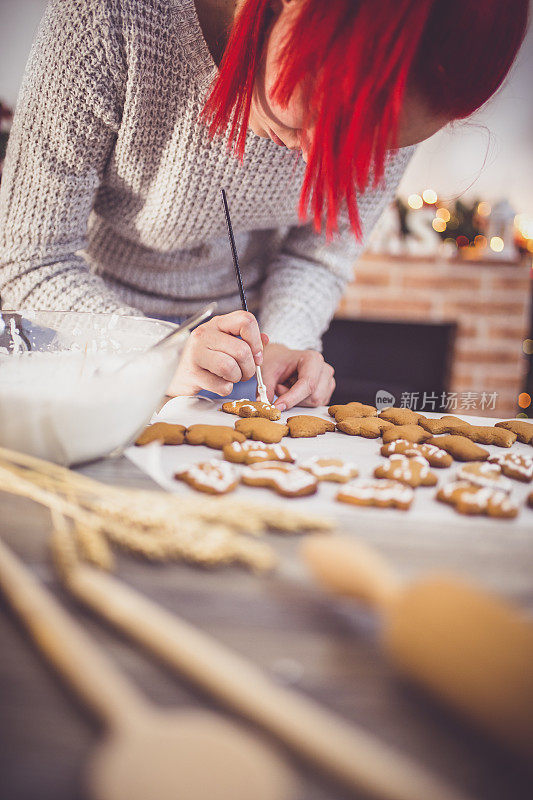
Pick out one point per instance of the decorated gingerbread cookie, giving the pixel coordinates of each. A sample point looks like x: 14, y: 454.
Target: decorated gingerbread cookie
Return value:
x: 251, y: 408
x: 306, y: 426
x: 285, y: 479
x: 162, y: 432
x: 213, y: 476
x: 341, y: 412
x: 250, y: 452
x: 413, y: 433
x: 460, y: 447
x: 215, y: 436
x: 433, y: 455
x: 400, y: 416
x: 523, y: 429
x: 380, y: 493
x: 330, y: 469
x: 467, y: 498
x: 412, y: 471
x: 368, y: 427
x: 515, y: 465
x: 262, y: 430
x: 481, y: 473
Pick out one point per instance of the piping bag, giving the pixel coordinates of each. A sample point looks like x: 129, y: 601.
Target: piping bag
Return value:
x: 468, y: 647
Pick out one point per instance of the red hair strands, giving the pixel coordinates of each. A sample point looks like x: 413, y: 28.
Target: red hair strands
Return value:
x: 362, y: 55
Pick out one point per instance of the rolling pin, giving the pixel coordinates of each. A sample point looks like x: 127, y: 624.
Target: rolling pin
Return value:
x: 468, y: 647
x: 341, y: 750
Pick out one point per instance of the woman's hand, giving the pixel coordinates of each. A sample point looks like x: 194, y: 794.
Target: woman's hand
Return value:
x: 215, y: 358
x: 298, y: 377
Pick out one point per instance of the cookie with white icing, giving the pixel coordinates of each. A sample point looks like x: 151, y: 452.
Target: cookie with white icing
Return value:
x: 285, y: 479
x: 250, y: 452
x: 251, y: 408
x: 480, y: 473
x: 379, y: 493
x: 330, y: 469
x: 213, y: 476
x: 517, y: 466
x: 412, y: 471
x: 433, y: 455
x: 467, y: 498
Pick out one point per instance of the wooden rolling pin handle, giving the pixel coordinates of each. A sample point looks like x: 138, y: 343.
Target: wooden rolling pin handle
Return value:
x: 358, y: 759
x: 65, y: 645
x: 350, y: 568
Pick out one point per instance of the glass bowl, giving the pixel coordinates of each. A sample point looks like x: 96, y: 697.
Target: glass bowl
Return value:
x: 61, y: 396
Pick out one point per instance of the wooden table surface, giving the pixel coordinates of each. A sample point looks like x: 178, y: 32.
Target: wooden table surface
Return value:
x: 325, y: 649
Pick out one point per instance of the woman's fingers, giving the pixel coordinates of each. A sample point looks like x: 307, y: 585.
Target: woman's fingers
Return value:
x: 243, y: 324
x: 310, y: 367
x: 239, y: 363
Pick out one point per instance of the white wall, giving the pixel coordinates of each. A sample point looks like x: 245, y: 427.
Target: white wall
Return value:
x: 469, y: 159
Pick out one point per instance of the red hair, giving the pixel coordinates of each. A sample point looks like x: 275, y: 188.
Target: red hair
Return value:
x: 362, y: 54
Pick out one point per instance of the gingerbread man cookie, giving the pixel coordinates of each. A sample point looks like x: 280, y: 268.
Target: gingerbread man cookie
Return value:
x: 412, y: 471
x: 250, y: 452
x: 460, y: 447
x: 369, y: 427
x: 523, y: 429
x: 330, y: 469
x: 481, y: 473
x: 213, y: 477
x: 262, y: 430
x: 304, y: 425
x: 162, y: 432
x: 285, y: 479
x: 343, y: 411
x: 400, y: 416
x: 215, y: 436
x: 413, y: 433
x: 467, y: 498
x: 380, y: 493
x: 515, y: 465
x: 433, y: 455
x: 251, y: 408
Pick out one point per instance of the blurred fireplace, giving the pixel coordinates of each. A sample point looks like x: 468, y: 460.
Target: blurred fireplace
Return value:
x: 410, y: 360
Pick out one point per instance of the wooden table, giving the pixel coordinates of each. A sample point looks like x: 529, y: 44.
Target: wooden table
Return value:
x: 325, y: 649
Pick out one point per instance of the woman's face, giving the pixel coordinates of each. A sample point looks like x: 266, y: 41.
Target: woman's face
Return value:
x: 288, y: 127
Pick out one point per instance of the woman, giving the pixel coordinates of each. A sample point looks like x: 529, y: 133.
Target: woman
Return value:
x: 123, y: 135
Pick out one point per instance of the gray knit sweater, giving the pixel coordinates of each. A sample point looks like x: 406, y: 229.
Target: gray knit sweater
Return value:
x: 110, y: 198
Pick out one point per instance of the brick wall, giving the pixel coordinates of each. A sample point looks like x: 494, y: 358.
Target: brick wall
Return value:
x: 490, y: 301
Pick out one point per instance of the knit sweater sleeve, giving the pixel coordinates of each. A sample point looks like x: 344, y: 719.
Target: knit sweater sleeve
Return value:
x: 305, y: 281
x: 67, y: 116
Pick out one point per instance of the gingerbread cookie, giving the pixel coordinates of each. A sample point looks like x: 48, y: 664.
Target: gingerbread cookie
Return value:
x: 215, y: 436
x: 481, y: 473
x: 250, y: 452
x: 470, y: 499
x: 162, y: 432
x: 433, y: 455
x: 304, y: 425
x: 380, y: 493
x: 251, y: 408
x: 446, y: 424
x: 330, y: 469
x: 213, y: 476
x: 488, y: 434
x: 523, y: 429
x: 285, y: 479
x: 515, y: 465
x: 262, y: 430
x: 369, y: 427
x: 413, y: 433
x: 412, y: 471
x: 400, y: 416
x: 346, y: 410
x: 460, y: 448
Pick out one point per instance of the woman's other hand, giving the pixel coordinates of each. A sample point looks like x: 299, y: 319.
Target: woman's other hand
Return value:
x: 298, y: 377
x: 215, y: 357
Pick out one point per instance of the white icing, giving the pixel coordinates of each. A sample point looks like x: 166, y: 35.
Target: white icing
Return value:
x: 519, y: 463
x: 261, y: 450
x: 478, y: 497
x: 484, y: 475
x: 379, y: 490
x: 217, y: 475
x: 71, y: 407
x: 400, y: 467
x: 316, y: 467
x: 286, y: 478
